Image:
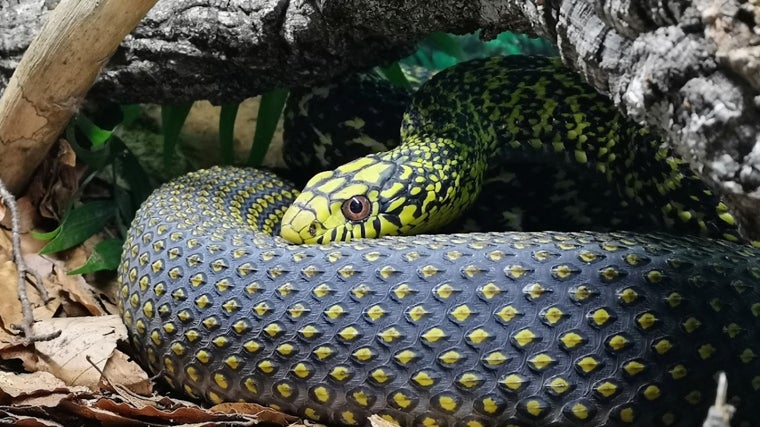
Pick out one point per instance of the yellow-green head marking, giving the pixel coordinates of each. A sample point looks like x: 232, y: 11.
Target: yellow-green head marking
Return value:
x: 399, y: 192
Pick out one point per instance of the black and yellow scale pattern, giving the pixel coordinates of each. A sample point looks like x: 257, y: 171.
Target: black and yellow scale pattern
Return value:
x: 478, y: 123
x: 480, y: 329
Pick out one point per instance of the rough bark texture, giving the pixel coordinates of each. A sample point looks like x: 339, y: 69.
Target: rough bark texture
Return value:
x: 53, y: 77
x: 221, y: 51
x: 686, y: 67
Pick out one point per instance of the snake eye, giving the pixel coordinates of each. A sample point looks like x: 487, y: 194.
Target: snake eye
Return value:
x: 356, y: 208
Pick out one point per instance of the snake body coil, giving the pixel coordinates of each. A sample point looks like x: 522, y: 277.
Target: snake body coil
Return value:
x: 475, y: 329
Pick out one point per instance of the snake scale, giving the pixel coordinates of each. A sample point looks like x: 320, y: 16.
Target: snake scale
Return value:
x: 476, y: 329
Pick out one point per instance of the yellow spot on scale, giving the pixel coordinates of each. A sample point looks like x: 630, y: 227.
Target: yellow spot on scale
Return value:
x: 390, y: 335
x: 601, y: 317
x: 433, y: 335
x: 677, y: 372
x: 461, y: 313
x: 618, y: 343
x: 572, y: 340
x: 506, y: 314
x: 524, y: 337
x: 380, y: 376
x: 364, y: 354
x: 444, y: 291
x: 321, y: 394
x: 706, y: 351
x: 490, y: 291
x: 553, y: 315
x: 284, y: 390
x: 401, y: 400
x: 495, y: 358
x: 424, y: 379
x: 588, y: 364
x: 478, y: 336
x: 221, y: 381
x: 403, y: 290
x: 340, y: 373
x: 535, y: 407
x: 516, y: 271
x: 448, y: 403
x: 513, y: 382
x: 646, y: 320
x: 651, y: 392
x: 334, y: 312
x: 417, y: 313
x: 541, y: 361
x: 747, y: 355
x: 376, y: 312
x: 607, y: 389
x: 451, y: 357
x: 273, y: 330
x: 266, y: 366
x: 629, y: 295
x: 580, y: 411
x: 627, y: 415
x: 634, y: 368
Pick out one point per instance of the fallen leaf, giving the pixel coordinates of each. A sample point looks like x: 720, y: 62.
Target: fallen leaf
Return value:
x: 25, y: 421
x: 262, y: 413
x: 10, y: 308
x: 121, y: 370
x: 14, y: 386
x: 178, y: 416
x: 52, y: 187
x: 84, y: 342
x: 27, y: 215
x: 377, y: 421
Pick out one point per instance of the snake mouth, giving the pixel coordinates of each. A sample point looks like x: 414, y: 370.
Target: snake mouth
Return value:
x: 300, y: 226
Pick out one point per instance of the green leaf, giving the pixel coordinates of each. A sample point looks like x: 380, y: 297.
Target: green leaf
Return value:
x: 396, y: 75
x: 105, y: 256
x: 79, y: 224
x: 96, y: 135
x: 45, y: 236
x: 227, y: 117
x: 95, y: 158
x: 172, y: 119
x: 270, y: 110
x: 448, y: 44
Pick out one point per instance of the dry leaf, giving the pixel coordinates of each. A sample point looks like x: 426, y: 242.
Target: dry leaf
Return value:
x: 82, y: 338
x: 24, y: 421
x: 182, y: 415
x: 10, y: 308
x: 14, y: 386
x: 262, y: 413
x: 120, y: 370
x: 55, y: 182
x: 377, y: 421
x: 27, y: 215
x: 97, y: 301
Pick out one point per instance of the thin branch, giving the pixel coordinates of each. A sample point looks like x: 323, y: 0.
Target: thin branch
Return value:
x: 24, y: 274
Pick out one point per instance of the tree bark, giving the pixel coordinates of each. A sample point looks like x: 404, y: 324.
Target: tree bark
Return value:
x: 688, y: 68
x: 54, y: 76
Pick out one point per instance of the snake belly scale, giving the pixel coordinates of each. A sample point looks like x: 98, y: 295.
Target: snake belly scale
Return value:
x: 480, y: 329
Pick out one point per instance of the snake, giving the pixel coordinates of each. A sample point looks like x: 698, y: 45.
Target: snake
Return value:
x: 473, y: 329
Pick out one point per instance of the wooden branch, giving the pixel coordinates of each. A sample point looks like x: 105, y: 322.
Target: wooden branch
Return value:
x: 53, y: 77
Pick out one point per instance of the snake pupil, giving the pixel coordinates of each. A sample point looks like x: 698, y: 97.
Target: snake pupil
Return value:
x: 356, y: 208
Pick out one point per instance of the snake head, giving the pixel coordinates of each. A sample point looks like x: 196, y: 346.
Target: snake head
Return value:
x: 369, y: 197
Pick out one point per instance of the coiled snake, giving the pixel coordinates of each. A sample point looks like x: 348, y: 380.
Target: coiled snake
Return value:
x: 479, y: 329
